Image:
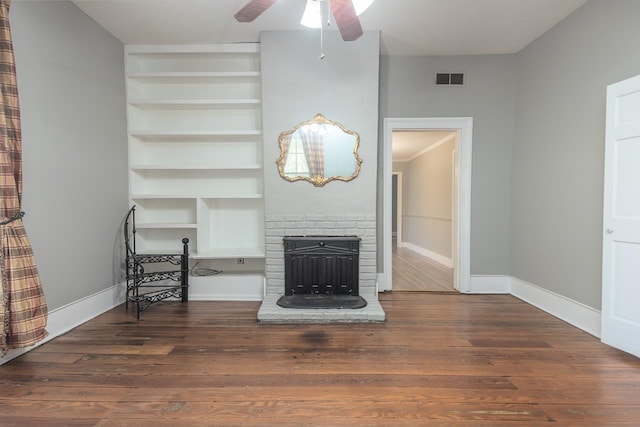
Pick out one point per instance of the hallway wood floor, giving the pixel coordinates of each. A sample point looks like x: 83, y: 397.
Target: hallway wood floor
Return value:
x: 415, y: 272
x: 439, y: 360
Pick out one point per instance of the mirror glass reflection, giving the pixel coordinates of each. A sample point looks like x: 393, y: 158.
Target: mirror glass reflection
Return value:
x: 319, y: 151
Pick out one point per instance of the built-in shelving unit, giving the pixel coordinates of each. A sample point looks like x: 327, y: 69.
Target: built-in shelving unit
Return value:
x: 195, y: 151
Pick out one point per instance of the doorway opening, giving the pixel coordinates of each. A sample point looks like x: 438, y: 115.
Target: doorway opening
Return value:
x: 423, y: 214
x: 462, y: 128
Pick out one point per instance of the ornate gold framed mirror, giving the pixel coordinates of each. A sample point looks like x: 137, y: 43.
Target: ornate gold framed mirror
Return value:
x: 319, y: 151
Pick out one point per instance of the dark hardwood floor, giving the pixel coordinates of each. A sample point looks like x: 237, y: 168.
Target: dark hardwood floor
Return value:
x: 440, y: 359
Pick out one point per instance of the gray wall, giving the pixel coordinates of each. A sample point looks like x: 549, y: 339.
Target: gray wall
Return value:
x: 558, y: 150
x: 343, y: 87
x: 426, y: 200
x: 71, y: 83
x: 407, y: 89
x: 399, y: 167
x: 296, y: 85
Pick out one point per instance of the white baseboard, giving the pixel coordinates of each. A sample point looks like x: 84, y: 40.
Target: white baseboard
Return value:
x: 572, y: 312
x: 227, y: 287
x: 447, y: 262
x: 568, y: 310
x: 484, y: 284
x: 67, y: 317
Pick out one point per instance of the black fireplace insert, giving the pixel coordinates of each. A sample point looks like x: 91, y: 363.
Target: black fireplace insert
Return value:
x: 321, y: 272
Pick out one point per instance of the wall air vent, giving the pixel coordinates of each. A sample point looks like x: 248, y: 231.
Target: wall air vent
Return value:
x: 449, y: 79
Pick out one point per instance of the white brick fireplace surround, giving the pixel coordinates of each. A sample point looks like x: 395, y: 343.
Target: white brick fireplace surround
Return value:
x: 278, y: 226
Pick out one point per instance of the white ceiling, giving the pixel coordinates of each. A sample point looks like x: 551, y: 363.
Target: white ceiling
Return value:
x: 408, y: 27
x: 406, y: 145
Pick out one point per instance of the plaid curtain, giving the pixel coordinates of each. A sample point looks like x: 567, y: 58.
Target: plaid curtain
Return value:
x: 313, y: 145
x: 23, y: 310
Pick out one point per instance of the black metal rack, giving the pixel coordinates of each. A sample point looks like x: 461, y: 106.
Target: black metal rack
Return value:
x: 166, y: 274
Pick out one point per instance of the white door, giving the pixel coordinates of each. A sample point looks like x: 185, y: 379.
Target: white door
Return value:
x: 621, y: 225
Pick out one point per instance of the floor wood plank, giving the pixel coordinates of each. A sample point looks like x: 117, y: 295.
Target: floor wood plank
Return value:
x: 440, y: 359
x: 415, y: 272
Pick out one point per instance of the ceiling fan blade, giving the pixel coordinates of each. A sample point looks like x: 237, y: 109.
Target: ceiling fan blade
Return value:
x: 252, y: 10
x: 346, y: 18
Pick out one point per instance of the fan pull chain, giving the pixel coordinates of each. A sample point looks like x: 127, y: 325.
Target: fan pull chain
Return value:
x: 322, y: 31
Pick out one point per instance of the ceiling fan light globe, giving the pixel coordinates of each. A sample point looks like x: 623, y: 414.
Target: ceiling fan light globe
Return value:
x: 361, y: 5
x: 312, y: 15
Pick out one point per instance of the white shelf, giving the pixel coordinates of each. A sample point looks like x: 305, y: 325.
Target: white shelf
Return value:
x: 164, y: 225
x: 194, y: 168
x: 164, y: 251
x: 192, y: 104
x: 192, y: 77
x: 162, y: 196
x: 195, y: 150
x: 179, y: 49
x: 230, y: 253
x: 195, y: 196
x: 233, y: 196
x: 159, y: 136
x: 187, y: 59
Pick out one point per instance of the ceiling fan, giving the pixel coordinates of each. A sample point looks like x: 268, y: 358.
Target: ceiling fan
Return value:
x: 343, y: 12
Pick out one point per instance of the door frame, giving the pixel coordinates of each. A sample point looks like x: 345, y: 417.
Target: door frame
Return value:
x: 462, y: 193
